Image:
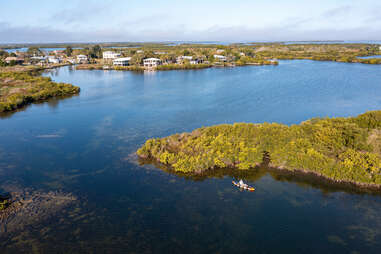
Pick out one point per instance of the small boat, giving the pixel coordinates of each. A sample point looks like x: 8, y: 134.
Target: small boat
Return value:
x: 243, y: 186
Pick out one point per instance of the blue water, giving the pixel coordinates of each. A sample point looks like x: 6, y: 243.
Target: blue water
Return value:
x: 85, y: 144
x: 369, y: 57
x: 335, y: 42
x: 42, y: 49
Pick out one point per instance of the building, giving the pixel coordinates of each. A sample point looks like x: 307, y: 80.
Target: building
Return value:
x: 182, y: 59
x: 110, y: 55
x: 219, y: 51
x: 220, y: 58
x: 190, y: 59
x: 124, y: 61
x: 13, y: 59
x: 54, y: 60
x: 151, y: 62
x: 82, y: 59
x: 196, y: 61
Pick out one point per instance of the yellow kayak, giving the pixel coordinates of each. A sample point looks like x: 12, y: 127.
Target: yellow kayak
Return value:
x: 248, y: 188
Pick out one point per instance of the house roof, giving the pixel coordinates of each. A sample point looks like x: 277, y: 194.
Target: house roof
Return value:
x: 123, y: 59
x: 13, y: 58
x: 186, y: 57
x: 152, y: 59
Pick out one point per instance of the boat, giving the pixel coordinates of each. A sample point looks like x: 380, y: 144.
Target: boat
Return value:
x: 243, y: 186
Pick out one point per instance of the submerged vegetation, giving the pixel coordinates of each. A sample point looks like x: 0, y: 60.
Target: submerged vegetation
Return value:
x: 341, y: 149
x: 21, y: 88
x: 4, y: 202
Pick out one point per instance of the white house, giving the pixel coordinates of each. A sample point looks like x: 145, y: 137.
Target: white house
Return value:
x: 82, y: 59
x: 124, y: 61
x: 220, y: 58
x: 110, y: 55
x: 151, y: 62
x: 196, y: 61
x: 17, y: 60
x: 54, y: 60
x: 181, y: 59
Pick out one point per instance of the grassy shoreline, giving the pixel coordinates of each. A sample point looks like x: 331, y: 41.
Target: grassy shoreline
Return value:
x: 342, y: 150
x: 18, y: 89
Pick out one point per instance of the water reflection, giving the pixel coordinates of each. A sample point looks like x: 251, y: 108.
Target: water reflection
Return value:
x: 52, y: 103
x: 302, y: 180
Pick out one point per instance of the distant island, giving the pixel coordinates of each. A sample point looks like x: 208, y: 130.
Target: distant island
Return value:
x: 343, y: 150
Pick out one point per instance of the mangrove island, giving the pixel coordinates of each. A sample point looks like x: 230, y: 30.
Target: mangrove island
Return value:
x: 340, y: 149
x: 18, y: 89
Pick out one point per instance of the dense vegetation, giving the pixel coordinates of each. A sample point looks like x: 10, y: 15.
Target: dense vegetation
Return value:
x: 20, y: 88
x: 342, y: 149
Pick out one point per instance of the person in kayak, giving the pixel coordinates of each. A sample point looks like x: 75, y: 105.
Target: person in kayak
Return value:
x: 241, y: 183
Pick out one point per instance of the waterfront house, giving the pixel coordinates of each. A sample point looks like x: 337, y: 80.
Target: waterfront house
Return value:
x: 196, y: 61
x: 110, y: 55
x: 38, y: 59
x: 16, y: 60
x: 82, y: 59
x: 182, y: 59
x: 220, y: 58
x: 54, y: 60
x: 151, y: 62
x: 124, y: 61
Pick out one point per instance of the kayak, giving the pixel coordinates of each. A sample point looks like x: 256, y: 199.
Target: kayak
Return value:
x: 248, y: 188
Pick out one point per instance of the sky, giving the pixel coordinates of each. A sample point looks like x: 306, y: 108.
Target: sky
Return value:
x: 49, y: 21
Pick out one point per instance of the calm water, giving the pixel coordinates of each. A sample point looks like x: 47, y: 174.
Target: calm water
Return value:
x: 85, y: 145
x: 369, y: 57
x: 42, y: 49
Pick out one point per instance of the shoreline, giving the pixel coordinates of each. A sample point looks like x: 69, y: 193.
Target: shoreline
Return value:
x: 300, y: 174
x: 167, y: 67
x: 368, y: 186
x: 19, y: 89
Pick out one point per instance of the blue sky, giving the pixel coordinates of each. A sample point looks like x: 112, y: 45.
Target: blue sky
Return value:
x: 193, y: 20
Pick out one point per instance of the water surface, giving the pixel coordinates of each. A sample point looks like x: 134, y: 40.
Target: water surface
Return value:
x: 85, y: 144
